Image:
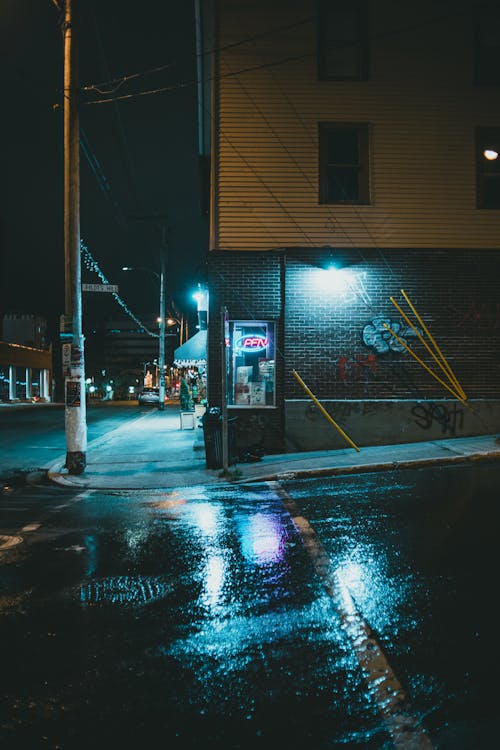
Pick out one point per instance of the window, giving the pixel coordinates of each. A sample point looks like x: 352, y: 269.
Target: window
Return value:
x: 343, y: 163
x: 488, y: 167
x: 251, y: 379
x: 342, y: 40
x: 487, y: 51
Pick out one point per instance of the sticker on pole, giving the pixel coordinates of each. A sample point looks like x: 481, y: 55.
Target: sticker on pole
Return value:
x: 66, y: 359
x: 73, y: 393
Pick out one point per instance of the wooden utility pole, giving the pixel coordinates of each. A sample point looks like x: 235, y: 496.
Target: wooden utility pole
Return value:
x: 71, y: 323
x: 158, y: 219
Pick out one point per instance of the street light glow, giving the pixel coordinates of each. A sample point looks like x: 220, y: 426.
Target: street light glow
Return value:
x: 334, y: 280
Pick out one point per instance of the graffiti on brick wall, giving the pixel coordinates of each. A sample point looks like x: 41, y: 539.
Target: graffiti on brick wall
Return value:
x: 356, y: 368
x: 377, y: 337
x: 341, y: 409
x: 478, y: 315
x: 449, y: 416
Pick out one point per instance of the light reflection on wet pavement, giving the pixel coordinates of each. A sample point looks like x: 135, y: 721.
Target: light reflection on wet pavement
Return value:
x: 196, y: 616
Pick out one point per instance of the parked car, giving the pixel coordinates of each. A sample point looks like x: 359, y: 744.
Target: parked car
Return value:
x: 149, y: 396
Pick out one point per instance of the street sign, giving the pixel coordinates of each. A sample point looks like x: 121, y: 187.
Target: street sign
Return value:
x: 100, y: 288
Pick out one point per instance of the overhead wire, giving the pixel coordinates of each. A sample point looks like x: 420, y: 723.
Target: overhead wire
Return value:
x: 157, y: 69
x: 281, y: 61
x: 127, y: 160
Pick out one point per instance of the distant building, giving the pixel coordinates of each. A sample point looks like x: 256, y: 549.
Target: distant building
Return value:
x: 122, y: 351
x: 352, y: 151
x: 25, y: 329
x: 25, y: 358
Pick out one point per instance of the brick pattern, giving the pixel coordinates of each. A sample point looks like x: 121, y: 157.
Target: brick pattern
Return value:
x: 321, y: 328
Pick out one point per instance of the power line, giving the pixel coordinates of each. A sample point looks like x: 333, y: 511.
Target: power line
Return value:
x: 129, y: 170
x: 117, y: 82
x: 280, y: 61
x: 101, y: 179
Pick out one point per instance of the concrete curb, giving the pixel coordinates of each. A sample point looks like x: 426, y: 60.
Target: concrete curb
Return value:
x: 367, y: 468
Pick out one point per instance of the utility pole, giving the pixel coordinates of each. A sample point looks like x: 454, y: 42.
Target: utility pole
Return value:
x: 157, y: 218
x: 161, y: 353
x: 71, y: 323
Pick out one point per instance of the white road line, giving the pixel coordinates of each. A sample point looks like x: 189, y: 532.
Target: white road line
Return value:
x: 384, y: 688
x: 35, y: 525
x: 31, y: 526
x: 75, y: 499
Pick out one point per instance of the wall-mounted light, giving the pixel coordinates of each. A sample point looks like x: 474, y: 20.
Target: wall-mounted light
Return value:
x: 490, y: 154
x: 334, y: 279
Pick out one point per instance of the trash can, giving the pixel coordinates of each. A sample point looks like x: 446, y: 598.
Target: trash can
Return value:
x: 231, y: 439
x: 212, y: 435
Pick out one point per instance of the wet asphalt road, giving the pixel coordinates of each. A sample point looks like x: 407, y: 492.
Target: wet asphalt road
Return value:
x: 33, y: 437
x: 353, y: 612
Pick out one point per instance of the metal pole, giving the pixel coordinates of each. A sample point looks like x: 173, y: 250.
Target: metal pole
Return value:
x: 225, y: 447
x: 75, y: 406
x: 161, y: 355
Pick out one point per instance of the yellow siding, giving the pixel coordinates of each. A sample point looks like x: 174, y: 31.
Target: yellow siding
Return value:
x: 420, y: 103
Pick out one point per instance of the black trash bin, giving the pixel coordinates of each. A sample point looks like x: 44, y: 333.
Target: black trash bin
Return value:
x: 231, y: 439
x: 212, y: 435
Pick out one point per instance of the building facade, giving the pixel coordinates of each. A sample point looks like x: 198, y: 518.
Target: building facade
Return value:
x: 354, y: 219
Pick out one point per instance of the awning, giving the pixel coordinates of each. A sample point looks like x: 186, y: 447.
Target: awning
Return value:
x: 193, y: 353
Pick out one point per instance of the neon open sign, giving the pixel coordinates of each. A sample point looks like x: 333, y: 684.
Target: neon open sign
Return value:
x: 251, y: 343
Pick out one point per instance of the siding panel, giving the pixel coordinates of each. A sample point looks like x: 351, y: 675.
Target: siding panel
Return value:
x: 422, y: 108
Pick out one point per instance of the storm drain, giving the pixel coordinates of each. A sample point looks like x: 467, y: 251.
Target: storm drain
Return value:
x: 123, y: 591
x: 6, y: 542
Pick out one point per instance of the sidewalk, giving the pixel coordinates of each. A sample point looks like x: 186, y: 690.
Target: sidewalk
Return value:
x: 153, y: 452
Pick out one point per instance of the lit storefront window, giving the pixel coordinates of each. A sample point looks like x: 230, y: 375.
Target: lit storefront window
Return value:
x: 251, y: 364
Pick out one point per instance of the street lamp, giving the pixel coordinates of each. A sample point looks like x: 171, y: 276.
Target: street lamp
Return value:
x: 161, y: 352
x: 171, y: 321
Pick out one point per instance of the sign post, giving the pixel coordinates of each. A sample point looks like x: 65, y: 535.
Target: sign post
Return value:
x: 225, y: 432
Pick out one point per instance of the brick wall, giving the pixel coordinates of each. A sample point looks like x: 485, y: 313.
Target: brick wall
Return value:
x: 329, y: 336
x: 456, y: 295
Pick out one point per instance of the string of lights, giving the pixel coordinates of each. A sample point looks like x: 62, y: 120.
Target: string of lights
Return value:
x: 91, y: 264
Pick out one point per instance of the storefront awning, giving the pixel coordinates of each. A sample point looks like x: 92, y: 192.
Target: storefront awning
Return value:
x: 193, y: 353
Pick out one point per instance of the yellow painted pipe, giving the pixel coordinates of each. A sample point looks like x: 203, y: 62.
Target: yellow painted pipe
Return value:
x: 410, y: 351
x: 446, y: 370
x: 324, y: 411
x: 451, y: 373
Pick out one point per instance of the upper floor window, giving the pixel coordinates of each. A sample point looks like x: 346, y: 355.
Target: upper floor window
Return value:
x: 487, y: 49
x: 343, y: 163
x: 342, y: 40
x: 488, y: 167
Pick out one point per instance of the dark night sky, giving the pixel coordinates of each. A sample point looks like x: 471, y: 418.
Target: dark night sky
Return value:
x: 146, y: 147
